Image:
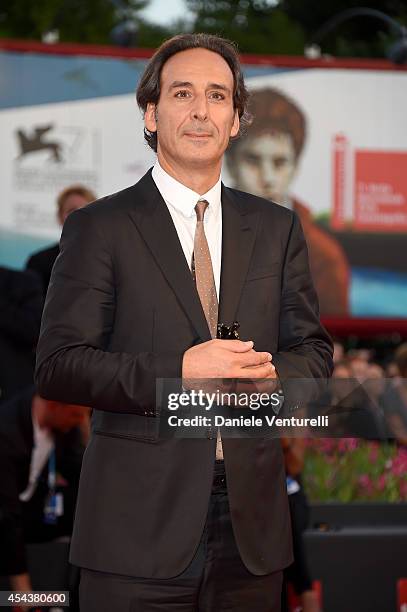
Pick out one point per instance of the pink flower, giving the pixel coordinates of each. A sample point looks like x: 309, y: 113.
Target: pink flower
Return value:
x: 366, y: 483
x: 381, y: 482
x: 327, y: 445
x: 346, y: 445
x: 399, y: 464
x: 343, y: 445
x: 403, y: 489
x: 374, y: 452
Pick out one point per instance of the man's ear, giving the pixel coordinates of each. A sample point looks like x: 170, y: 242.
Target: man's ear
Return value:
x: 235, y: 125
x: 150, y: 117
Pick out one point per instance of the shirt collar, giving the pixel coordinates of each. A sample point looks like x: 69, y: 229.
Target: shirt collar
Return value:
x: 181, y: 197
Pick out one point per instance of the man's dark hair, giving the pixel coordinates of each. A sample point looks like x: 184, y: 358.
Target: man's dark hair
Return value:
x: 149, y: 87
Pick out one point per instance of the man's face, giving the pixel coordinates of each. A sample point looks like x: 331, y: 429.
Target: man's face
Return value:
x: 265, y: 165
x: 195, y: 114
x: 71, y: 203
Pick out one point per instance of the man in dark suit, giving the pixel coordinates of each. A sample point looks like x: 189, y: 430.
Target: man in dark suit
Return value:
x: 71, y: 198
x: 134, y: 298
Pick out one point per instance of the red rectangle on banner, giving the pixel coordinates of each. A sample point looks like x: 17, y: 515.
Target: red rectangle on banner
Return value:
x: 339, y: 154
x: 380, y: 191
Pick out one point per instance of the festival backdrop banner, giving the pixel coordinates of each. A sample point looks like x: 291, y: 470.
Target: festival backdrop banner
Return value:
x: 329, y: 143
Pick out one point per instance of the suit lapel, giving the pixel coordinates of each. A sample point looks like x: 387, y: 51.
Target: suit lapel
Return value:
x: 239, y: 228
x: 157, y: 229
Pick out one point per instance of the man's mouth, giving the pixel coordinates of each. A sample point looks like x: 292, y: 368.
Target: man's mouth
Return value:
x: 197, y: 135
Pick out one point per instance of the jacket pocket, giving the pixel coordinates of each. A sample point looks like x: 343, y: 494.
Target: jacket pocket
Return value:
x: 128, y: 426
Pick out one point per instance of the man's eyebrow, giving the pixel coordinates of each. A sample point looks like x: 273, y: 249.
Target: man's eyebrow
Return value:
x: 180, y: 84
x: 218, y: 86
x: 176, y: 84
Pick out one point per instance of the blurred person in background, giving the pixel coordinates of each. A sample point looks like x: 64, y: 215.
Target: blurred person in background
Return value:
x: 70, y: 199
x: 395, y: 399
x: 297, y: 573
x: 365, y: 354
x: 359, y: 365
x: 339, y: 399
x: 341, y: 384
x: 21, y: 302
x: 264, y: 162
x: 339, y: 352
x: 392, y: 370
x: 375, y: 386
x: 356, y: 409
x: 375, y: 382
x: 41, y: 448
x: 342, y: 369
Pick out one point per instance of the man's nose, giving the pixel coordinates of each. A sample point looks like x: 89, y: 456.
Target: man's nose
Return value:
x: 200, y: 108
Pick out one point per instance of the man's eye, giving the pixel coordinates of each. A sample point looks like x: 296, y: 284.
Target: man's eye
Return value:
x: 217, y: 95
x: 182, y: 94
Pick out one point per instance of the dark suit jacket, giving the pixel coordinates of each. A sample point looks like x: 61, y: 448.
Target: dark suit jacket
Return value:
x: 42, y: 262
x: 21, y: 522
x: 120, y: 312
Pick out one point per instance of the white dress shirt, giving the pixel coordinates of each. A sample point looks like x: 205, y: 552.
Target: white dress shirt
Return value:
x: 181, y: 202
